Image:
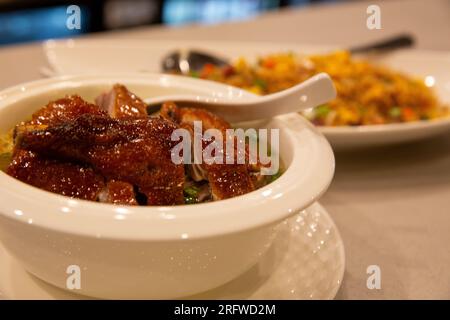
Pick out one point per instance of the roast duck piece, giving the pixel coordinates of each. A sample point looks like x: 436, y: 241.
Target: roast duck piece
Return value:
x: 114, y: 152
x: 225, y: 180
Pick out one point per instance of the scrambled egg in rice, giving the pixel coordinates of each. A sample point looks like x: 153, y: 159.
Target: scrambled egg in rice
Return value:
x: 367, y: 93
x: 6, y: 146
x: 6, y: 143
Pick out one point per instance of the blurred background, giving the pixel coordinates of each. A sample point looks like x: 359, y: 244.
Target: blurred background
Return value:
x: 30, y: 20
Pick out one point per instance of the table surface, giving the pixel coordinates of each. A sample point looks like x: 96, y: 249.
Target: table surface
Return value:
x: 391, y: 204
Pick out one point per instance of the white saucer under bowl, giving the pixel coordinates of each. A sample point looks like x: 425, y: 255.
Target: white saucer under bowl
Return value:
x: 306, y: 261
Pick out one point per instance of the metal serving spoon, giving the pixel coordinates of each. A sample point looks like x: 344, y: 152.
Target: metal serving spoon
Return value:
x: 313, y: 92
x: 186, y: 61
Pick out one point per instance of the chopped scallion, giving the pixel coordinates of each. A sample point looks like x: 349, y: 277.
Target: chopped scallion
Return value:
x: 322, y: 111
x: 5, y: 160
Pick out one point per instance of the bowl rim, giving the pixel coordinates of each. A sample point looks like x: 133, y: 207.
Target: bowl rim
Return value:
x: 296, y: 189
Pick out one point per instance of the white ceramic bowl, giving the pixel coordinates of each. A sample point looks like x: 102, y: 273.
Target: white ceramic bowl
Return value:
x: 152, y: 252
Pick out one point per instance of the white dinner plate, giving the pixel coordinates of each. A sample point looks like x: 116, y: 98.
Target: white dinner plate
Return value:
x: 306, y: 261
x: 125, y: 55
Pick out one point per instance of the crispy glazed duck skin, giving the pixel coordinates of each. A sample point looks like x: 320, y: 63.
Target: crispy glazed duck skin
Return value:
x: 170, y: 111
x: 68, y: 179
x: 120, y: 103
x: 54, y: 113
x: 134, y: 151
x: 225, y: 180
x: 63, y: 110
x: 62, y: 177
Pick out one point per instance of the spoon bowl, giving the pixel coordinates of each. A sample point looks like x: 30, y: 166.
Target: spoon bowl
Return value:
x: 186, y: 61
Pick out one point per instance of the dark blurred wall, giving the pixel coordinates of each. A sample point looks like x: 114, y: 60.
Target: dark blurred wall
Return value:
x: 30, y: 20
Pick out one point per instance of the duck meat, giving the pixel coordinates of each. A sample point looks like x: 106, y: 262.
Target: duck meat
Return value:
x: 65, y: 178
x: 136, y: 151
x: 225, y: 180
x: 120, y: 103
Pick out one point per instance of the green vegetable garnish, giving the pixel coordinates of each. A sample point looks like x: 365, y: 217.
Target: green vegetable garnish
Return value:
x: 275, y: 176
x: 191, y: 191
x: 395, y: 112
x: 5, y: 160
x: 195, y: 74
x: 190, y: 195
x: 322, y: 111
x: 260, y: 83
x: 190, y: 200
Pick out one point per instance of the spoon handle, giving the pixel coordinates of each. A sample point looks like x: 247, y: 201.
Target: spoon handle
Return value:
x: 311, y: 93
x: 400, y: 41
